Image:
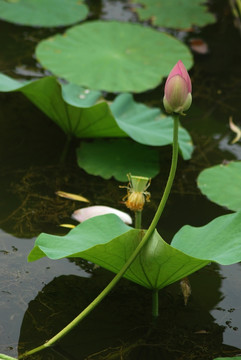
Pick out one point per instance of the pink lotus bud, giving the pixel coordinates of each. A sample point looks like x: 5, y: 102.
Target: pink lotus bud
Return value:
x: 178, y: 88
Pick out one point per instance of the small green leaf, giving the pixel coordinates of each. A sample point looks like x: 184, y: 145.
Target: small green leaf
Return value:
x: 108, y: 55
x: 117, y: 158
x: 222, y: 184
x: 43, y: 12
x: 167, y: 14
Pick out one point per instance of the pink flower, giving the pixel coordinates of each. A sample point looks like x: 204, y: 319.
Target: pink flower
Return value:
x: 178, y: 88
x: 88, y: 212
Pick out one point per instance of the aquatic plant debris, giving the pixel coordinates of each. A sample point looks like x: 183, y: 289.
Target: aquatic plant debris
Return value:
x: 235, y: 129
x: 70, y: 196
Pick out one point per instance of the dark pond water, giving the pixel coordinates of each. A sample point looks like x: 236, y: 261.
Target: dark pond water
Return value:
x: 38, y: 299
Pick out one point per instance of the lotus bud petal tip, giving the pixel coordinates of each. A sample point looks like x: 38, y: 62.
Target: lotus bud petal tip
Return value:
x: 178, y: 88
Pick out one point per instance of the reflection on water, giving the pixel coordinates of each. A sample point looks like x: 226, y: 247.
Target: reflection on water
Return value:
x: 228, y: 311
x: 121, y: 324
x: 20, y: 282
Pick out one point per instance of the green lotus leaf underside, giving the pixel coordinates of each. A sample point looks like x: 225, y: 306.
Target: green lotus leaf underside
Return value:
x: 170, y: 14
x: 43, y: 13
x: 108, y: 242
x: 81, y: 112
x: 222, y: 184
x: 112, y: 56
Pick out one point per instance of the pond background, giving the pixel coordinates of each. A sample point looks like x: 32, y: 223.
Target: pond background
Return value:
x: 38, y: 299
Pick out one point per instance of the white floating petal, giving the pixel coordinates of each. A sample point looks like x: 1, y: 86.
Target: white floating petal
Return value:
x: 96, y: 210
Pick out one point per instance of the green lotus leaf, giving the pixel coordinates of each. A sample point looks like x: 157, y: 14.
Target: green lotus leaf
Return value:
x: 79, y: 112
x: 222, y: 184
x: 112, y: 56
x: 183, y: 15
x: 219, y: 240
x: 105, y: 240
x: 117, y: 158
x: 148, y: 126
x: 43, y: 13
x: 108, y: 242
x: 85, y: 121
x: 79, y: 97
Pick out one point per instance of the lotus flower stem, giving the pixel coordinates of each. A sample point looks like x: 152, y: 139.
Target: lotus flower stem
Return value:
x: 138, y: 215
x: 155, y: 304
x: 143, y: 242
x: 170, y: 177
x: 65, y: 149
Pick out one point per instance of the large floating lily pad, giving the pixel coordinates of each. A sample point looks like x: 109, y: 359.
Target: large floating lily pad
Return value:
x: 79, y: 112
x: 117, y: 158
x: 222, y: 184
x: 43, y: 12
x: 108, y: 242
x: 181, y: 15
x: 112, y: 56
